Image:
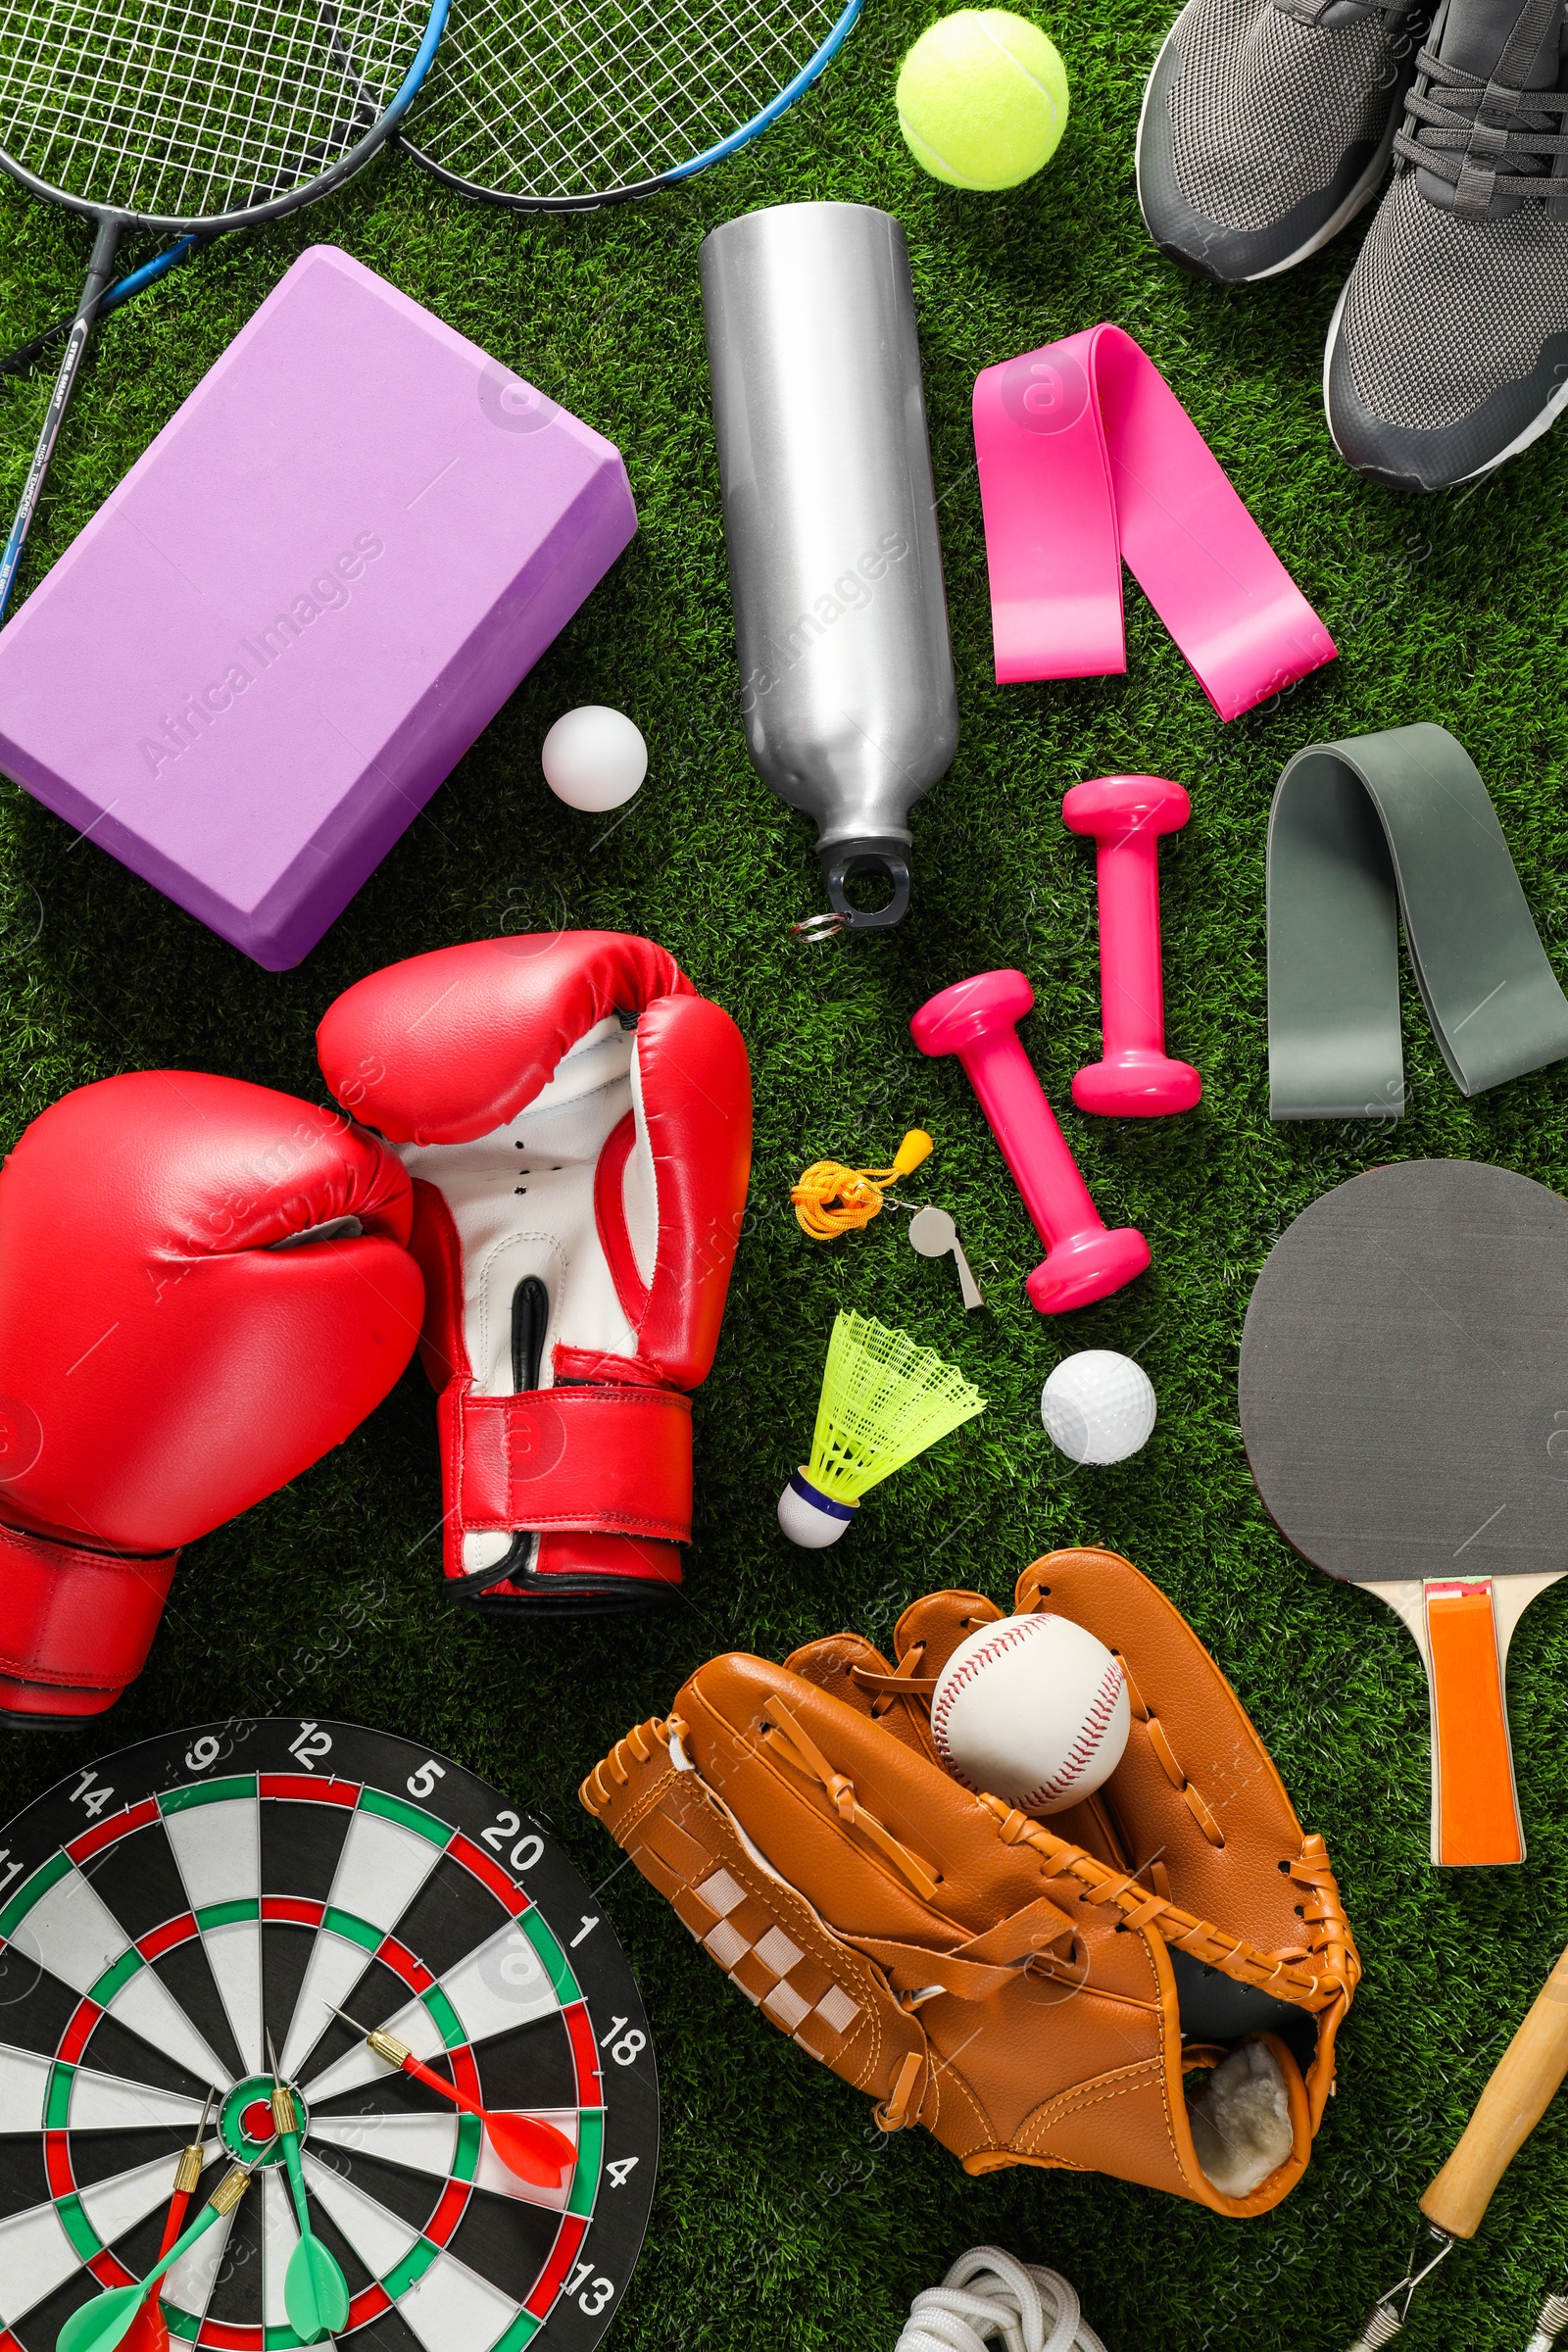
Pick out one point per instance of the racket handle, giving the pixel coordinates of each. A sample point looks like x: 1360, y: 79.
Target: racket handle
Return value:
x: 98, y: 273
x: 1518, y: 2093
x: 1475, y: 1808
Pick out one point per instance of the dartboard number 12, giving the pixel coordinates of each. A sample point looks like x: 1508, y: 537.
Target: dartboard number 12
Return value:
x: 176, y: 1910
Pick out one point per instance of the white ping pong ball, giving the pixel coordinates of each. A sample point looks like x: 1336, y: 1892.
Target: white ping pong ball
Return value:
x: 594, y: 758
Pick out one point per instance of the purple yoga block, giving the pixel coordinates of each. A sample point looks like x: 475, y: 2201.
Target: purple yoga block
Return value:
x: 288, y: 624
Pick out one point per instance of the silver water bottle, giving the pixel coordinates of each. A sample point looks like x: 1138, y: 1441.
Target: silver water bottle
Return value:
x: 830, y: 523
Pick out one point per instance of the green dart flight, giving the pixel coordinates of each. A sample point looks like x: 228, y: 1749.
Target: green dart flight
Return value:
x: 315, y: 2293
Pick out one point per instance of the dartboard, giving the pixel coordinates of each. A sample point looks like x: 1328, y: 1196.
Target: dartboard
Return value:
x: 172, y: 1912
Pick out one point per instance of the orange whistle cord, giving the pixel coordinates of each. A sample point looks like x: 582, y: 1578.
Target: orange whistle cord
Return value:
x: 831, y: 1200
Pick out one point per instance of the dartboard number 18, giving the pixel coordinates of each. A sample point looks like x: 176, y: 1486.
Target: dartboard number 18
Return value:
x: 178, y: 1912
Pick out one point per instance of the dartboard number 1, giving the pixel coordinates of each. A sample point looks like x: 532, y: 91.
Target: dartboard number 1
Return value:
x: 600, y: 2289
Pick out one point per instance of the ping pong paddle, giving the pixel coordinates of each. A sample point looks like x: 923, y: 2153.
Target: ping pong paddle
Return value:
x: 1404, y: 1408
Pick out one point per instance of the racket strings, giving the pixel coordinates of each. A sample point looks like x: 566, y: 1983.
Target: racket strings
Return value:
x: 579, y: 98
x: 184, y: 111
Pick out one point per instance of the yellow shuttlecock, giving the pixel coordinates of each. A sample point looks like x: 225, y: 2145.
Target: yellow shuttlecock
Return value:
x: 884, y: 1400
x: 831, y: 1200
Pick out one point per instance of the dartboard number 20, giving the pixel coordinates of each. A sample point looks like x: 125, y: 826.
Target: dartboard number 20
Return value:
x: 174, y: 1914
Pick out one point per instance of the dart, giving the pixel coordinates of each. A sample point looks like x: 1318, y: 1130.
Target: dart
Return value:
x: 149, y: 2331
x: 106, y: 2321
x: 525, y: 2143
x: 188, y: 2174
x: 315, y: 2293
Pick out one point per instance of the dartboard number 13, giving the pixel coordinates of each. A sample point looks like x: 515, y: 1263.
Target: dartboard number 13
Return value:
x: 171, y: 1914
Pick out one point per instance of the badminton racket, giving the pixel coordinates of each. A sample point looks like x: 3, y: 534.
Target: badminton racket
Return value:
x: 15, y: 360
x: 191, y: 119
x: 560, y: 105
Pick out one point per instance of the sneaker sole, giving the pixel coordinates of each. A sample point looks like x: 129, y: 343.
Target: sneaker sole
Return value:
x: 1539, y: 424
x: 1360, y: 197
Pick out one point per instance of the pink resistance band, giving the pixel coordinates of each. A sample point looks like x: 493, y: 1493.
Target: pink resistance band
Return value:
x: 1087, y: 457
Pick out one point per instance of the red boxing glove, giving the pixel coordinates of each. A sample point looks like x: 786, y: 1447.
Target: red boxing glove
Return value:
x: 577, y: 1122
x: 204, y: 1286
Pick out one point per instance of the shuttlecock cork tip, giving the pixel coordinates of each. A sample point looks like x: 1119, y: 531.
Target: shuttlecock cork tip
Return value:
x: 810, y: 1518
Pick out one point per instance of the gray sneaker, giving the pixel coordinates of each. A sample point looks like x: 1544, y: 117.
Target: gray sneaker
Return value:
x: 1448, y: 350
x: 1268, y: 125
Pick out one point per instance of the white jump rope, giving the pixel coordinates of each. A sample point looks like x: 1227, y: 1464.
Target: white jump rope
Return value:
x: 988, y: 2295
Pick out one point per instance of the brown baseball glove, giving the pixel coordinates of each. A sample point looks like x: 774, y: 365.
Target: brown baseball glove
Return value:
x: 1032, y: 1991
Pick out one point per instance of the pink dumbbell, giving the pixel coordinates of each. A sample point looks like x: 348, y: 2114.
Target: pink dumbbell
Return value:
x: 1126, y: 816
x: 974, y: 1019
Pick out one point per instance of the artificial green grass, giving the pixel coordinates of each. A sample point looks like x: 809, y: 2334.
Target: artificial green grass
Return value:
x: 783, y: 2219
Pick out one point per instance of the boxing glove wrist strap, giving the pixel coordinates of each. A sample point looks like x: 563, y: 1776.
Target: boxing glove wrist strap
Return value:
x: 611, y: 1459
x: 74, y: 1618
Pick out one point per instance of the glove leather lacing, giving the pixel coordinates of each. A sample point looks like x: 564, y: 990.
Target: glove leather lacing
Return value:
x: 793, y: 1745
x: 1289, y: 1974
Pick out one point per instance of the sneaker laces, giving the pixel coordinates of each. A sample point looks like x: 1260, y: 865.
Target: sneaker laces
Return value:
x: 1409, y: 15
x: 1471, y: 133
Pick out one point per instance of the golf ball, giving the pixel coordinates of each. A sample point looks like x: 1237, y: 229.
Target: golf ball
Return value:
x: 1098, y: 1407
x: 594, y: 758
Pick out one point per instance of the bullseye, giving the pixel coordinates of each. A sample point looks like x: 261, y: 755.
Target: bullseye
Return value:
x: 257, y: 2121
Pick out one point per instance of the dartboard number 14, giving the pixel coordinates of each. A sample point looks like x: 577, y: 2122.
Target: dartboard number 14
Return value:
x: 465, y: 2052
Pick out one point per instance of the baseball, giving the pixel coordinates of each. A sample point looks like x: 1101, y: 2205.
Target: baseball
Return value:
x: 1033, y: 1710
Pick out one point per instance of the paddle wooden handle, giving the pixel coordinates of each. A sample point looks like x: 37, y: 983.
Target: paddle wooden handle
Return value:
x: 1516, y: 2097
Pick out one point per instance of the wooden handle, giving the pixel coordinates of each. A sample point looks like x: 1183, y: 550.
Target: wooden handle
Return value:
x: 1516, y: 2097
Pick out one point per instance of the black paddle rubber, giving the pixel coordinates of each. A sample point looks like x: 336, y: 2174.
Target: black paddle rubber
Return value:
x: 1404, y: 1407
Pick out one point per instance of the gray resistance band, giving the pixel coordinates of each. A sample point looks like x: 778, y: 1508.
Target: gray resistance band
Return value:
x: 1360, y: 832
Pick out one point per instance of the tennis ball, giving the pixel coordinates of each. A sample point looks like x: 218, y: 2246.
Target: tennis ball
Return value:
x: 982, y: 99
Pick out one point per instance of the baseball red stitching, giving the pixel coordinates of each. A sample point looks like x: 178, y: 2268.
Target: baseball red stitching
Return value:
x: 1087, y: 1745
